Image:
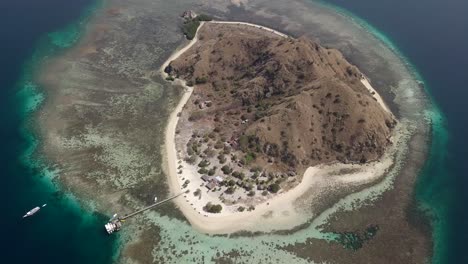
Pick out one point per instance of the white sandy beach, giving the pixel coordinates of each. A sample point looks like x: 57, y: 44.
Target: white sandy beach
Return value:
x: 284, y: 210
x: 252, y: 25
x: 376, y: 95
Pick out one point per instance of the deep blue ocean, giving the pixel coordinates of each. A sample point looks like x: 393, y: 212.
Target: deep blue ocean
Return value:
x: 431, y: 34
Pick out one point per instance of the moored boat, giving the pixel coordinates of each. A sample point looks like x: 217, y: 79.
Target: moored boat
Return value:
x: 33, y: 211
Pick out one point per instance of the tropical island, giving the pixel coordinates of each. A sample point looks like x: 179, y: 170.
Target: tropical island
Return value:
x: 114, y: 131
x: 260, y: 109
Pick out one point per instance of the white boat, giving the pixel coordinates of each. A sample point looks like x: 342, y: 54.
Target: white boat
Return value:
x: 32, y: 212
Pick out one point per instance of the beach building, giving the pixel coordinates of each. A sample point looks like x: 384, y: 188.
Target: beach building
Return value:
x: 219, y: 179
x: 206, y: 178
x: 211, y: 185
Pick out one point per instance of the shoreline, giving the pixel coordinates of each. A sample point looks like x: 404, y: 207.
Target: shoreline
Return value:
x: 366, y: 82
x: 269, y: 215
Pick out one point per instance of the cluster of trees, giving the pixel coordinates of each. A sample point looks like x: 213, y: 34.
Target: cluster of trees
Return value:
x: 239, y: 175
x: 213, y: 208
x: 250, y: 142
x: 190, y: 26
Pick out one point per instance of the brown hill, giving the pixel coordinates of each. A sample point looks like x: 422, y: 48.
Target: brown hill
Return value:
x: 283, y: 100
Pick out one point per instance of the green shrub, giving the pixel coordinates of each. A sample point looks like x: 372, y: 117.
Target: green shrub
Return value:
x: 230, y: 190
x: 200, y: 80
x: 195, y: 116
x: 221, y: 158
x: 192, y: 159
x: 203, y: 163
x: 189, y: 28
x: 212, y: 171
x: 209, y: 152
x: 226, y: 169
x: 249, y: 158
x: 218, y: 145
x: 203, y: 17
x: 213, y: 208
x: 274, y: 188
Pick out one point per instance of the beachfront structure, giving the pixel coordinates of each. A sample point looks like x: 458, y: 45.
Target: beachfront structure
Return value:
x: 206, y: 178
x: 115, y: 223
x: 211, y: 185
x: 219, y: 179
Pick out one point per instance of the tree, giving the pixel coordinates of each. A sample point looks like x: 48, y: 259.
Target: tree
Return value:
x: 226, y: 169
x: 274, y: 188
x: 236, y: 174
x: 221, y: 158
x: 230, y: 190
x: 213, y: 208
x: 212, y: 171
x: 203, y: 163
x: 192, y: 159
